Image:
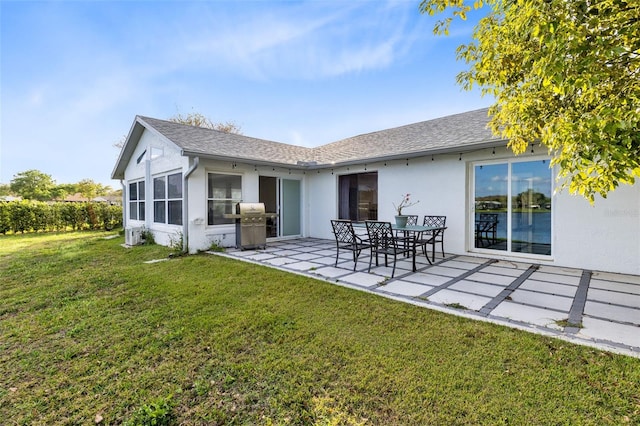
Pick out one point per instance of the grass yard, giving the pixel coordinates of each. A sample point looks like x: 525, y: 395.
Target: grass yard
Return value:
x: 91, y: 334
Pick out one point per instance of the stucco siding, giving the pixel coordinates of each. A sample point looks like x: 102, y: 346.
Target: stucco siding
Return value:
x: 201, y: 235
x: 163, y: 158
x: 156, y: 157
x: 600, y: 237
x: 604, y: 236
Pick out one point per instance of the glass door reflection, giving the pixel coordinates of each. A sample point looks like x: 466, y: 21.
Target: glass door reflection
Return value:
x: 512, y: 207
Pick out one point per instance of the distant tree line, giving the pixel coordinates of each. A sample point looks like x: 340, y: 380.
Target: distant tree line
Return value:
x: 525, y: 199
x: 37, y: 216
x: 36, y: 185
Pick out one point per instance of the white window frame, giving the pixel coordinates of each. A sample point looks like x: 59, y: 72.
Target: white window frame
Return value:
x: 345, y: 198
x: 165, y: 200
x: 471, y: 216
x: 138, y: 202
x: 215, y: 199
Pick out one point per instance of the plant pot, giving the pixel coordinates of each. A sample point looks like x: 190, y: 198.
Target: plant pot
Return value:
x: 401, y: 221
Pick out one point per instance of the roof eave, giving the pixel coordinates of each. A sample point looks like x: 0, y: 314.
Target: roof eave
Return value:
x: 131, y: 142
x: 251, y: 161
x: 135, y: 132
x: 415, y: 154
x: 304, y: 165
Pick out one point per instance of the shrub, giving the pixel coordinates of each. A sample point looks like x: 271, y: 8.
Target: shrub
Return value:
x: 148, y: 238
x: 27, y: 216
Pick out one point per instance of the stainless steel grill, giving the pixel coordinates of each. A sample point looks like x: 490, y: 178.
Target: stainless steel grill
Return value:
x: 251, y: 225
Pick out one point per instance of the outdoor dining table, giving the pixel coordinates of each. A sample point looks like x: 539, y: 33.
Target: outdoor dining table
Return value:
x: 413, y: 233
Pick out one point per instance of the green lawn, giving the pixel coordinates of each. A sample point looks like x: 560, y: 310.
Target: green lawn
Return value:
x: 88, y: 331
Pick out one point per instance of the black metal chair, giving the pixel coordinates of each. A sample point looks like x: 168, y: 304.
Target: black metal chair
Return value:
x: 438, y: 236
x: 486, y: 229
x: 432, y: 237
x: 412, y: 219
x: 384, y: 241
x: 346, y: 239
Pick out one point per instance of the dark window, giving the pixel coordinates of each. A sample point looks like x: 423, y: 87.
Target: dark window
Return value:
x: 174, y: 186
x: 136, y: 200
x: 167, y: 199
x: 358, y: 196
x: 223, y: 193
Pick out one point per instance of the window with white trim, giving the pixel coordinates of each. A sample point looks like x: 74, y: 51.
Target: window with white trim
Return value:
x: 223, y: 193
x: 358, y: 196
x: 136, y: 200
x: 512, y: 207
x: 167, y: 199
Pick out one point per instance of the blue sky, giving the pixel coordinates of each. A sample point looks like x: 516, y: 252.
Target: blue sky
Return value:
x: 492, y: 179
x: 74, y: 74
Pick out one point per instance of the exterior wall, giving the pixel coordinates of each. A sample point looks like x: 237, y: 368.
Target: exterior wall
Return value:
x: 201, y: 235
x: 603, y: 237
x: 196, y: 233
x: 322, y: 203
x: 160, y: 158
x: 439, y: 185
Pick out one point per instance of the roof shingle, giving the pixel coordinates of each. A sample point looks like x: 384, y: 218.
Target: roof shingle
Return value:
x: 460, y: 131
x: 207, y: 142
x: 441, y: 134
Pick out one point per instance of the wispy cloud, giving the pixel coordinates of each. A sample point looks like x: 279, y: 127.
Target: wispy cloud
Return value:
x: 74, y: 74
x: 310, y: 41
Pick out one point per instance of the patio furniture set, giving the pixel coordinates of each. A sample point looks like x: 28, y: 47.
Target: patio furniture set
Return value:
x: 390, y: 240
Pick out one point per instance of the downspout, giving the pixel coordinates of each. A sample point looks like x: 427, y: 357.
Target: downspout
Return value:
x: 148, y: 190
x: 124, y: 204
x: 185, y: 210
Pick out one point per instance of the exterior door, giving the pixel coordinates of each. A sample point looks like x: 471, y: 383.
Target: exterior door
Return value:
x: 512, y: 207
x: 281, y: 196
x: 290, y: 207
x: 268, y: 190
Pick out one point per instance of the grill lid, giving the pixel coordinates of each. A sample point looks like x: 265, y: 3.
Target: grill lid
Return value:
x: 250, y: 209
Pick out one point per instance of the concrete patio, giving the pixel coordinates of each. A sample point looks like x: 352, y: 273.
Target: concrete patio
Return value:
x: 597, y: 309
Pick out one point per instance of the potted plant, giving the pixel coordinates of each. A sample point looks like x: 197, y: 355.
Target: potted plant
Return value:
x: 401, y: 220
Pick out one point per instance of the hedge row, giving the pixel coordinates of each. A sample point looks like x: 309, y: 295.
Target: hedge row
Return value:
x: 27, y: 216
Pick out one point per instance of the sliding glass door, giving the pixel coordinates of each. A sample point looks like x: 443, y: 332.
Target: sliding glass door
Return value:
x: 290, y: 211
x: 512, y: 207
x: 282, y: 196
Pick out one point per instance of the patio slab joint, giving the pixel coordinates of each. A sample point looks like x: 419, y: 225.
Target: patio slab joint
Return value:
x: 456, y: 279
x: 608, y: 315
x: 502, y: 296
x: 579, y: 301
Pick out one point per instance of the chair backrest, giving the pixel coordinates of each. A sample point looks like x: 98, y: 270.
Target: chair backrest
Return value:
x: 439, y: 221
x: 380, y: 233
x: 412, y: 219
x: 343, y: 230
x: 489, y: 217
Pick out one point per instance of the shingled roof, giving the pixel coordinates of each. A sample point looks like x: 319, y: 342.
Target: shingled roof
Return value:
x: 459, y: 132
x: 462, y: 132
x: 207, y: 142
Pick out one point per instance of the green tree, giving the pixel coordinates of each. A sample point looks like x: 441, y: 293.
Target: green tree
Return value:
x: 90, y: 189
x: 33, y: 185
x: 199, y: 120
x: 64, y: 189
x: 564, y: 73
x: 530, y: 198
x: 5, y: 189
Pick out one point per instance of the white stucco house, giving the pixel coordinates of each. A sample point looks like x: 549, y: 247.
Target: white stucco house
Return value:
x: 179, y: 181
